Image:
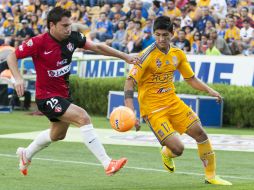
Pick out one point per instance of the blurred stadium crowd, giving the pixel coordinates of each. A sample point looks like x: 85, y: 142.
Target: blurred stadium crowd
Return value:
x: 210, y: 27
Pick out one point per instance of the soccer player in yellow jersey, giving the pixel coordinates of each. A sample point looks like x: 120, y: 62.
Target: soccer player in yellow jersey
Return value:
x: 161, y: 108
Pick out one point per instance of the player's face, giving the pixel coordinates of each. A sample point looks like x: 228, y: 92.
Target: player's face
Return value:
x: 162, y: 38
x: 62, y: 29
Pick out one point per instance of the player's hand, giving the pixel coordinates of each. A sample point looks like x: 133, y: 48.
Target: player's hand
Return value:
x: 20, y: 87
x: 133, y: 59
x: 216, y: 94
x: 137, y: 125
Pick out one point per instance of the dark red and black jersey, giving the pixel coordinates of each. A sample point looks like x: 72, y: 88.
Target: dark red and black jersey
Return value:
x: 52, y: 61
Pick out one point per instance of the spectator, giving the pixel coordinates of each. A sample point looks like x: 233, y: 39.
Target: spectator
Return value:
x: 148, y: 38
x: 139, y: 5
x: 244, y: 16
x: 138, y: 17
x: 203, y: 3
x: 194, y: 11
x: 157, y: 8
x: 204, y: 38
x: 201, y: 23
x: 25, y: 32
x: 131, y: 13
x: 10, y: 31
x: 219, y: 42
x: 211, y: 49
x: 104, y: 28
x: 134, y: 41
x: 221, y: 28
x: 182, y: 42
x: 232, y: 33
x: 196, y: 45
x: 65, y: 4
x: 171, y: 10
x: 118, y: 41
x: 246, y: 37
x: 218, y: 8
x: 118, y: 10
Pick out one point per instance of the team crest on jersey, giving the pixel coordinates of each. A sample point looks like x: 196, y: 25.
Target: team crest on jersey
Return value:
x: 21, y: 48
x: 70, y: 46
x: 58, y: 108
x: 167, y: 62
x: 29, y: 43
x: 175, y: 60
x: 158, y: 63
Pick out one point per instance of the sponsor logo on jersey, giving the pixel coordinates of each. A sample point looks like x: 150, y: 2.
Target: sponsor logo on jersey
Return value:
x: 30, y: 43
x: 58, y: 108
x: 158, y: 63
x: 21, y: 48
x: 70, y: 46
x: 62, y: 62
x: 163, y: 90
x: 59, y: 72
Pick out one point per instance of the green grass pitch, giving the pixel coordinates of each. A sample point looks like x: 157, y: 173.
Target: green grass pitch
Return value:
x: 70, y: 166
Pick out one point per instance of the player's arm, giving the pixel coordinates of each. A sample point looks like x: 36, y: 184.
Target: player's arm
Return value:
x: 197, y: 84
x: 128, y: 97
x: 103, y: 49
x: 19, y: 81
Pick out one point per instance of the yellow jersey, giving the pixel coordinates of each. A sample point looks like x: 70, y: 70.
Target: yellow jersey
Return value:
x: 154, y: 77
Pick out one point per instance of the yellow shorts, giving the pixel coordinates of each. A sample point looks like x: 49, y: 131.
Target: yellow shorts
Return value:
x: 177, y: 117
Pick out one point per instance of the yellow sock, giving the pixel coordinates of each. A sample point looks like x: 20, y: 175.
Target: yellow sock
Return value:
x: 207, y: 156
x: 167, y: 152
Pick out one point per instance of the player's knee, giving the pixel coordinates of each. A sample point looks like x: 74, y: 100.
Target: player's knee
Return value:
x: 178, y: 150
x: 57, y: 137
x: 83, y: 119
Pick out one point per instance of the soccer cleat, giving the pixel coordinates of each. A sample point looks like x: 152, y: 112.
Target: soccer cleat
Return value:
x: 23, y: 161
x: 115, y: 166
x: 217, y: 181
x: 168, y: 163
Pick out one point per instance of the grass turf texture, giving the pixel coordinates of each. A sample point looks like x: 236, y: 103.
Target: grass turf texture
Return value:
x: 82, y: 171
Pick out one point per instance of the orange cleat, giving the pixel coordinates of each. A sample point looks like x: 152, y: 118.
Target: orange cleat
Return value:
x: 115, y: 166
x: 23, y: 161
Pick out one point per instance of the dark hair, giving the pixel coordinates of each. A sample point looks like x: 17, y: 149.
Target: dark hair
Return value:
x: 56, y: 14
x: 163, y: 23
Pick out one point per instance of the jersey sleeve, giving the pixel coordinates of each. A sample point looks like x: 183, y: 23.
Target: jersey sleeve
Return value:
x: 184, y: 66
x: 27, y: 49
x: 138, y: 70
x: 80, y: 40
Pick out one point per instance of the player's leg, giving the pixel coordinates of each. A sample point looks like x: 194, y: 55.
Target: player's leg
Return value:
x: 165, y: 133
x: 80, y: 118
x: 206, y: 154
x: 56, y: 132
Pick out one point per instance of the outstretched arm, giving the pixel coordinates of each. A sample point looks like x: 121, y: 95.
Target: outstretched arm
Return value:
x: 128, y: 98
x: 103, y: 49
x: 195, y: 83
x: 19, y: 81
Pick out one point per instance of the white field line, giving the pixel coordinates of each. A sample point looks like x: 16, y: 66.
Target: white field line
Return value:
x: 128, y: 167
x: 242, y: 143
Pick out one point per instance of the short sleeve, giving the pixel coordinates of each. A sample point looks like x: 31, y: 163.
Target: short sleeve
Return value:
x: 184, y: 66
x: 80, y: 40
x: 27, y: 49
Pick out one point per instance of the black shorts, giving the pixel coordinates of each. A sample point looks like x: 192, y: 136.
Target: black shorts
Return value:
x: 53, y: 107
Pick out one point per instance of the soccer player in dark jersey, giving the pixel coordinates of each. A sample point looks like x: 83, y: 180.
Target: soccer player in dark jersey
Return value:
x: 52, y: 54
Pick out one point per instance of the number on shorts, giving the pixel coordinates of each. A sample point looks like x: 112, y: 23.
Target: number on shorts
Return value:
x: 52, y: 102
x: 165, y: 126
